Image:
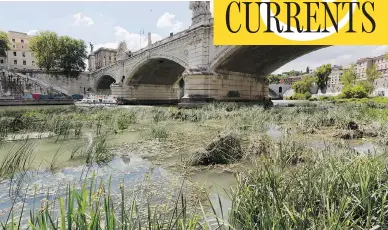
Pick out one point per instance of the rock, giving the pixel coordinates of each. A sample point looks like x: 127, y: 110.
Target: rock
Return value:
x: 352, y: 125
x: 223, y: 150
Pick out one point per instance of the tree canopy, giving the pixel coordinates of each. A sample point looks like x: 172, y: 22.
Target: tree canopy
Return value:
x: 304, y: 85
x: 4, y: 44
x: 349, y: 77
x: 60, y: 53
x: 322, y: 74
x: 359, y: 89
x: 275, y: 78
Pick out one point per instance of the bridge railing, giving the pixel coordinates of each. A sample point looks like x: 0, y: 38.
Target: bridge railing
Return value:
x: 152, y: 46
x: 178, y: 35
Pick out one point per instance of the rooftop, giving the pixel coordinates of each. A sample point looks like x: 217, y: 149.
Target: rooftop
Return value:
x: 105, y: 49
x: 15, y: 32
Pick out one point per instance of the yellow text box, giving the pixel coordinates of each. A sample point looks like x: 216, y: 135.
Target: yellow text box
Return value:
x: 314, y: 22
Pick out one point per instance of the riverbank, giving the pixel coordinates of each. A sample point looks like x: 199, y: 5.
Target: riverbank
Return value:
x: 172, y: 140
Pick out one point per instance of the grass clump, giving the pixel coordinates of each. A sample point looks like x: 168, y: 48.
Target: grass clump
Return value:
x: 160, y: 132
x: 224, y: 149
x: 124, y: 119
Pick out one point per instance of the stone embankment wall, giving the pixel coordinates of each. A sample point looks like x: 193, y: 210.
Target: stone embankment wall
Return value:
x: 73, y: 85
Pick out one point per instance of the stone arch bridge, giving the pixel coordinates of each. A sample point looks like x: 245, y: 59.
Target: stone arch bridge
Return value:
x: 188, y: 66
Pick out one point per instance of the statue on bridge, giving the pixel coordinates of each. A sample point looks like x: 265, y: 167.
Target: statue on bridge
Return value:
x: 122, y: 51
x: 91, y: 47
x: 199, y: 8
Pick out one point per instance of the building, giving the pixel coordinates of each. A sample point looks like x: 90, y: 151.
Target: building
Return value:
x: 19, y: 56
x: 276, y: 91
x: 335, y: 75
x: 104, y: 57
x: 363, y: 64
x: 290, y: 80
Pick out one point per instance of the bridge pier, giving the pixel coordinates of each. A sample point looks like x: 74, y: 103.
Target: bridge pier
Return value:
x: 227, y: 86
x: 146, y: 94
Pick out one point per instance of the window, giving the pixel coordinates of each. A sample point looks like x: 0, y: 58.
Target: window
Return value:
x: 33, y: 62
x: 24, y: 63
x: 1, y: 61
x: 13, y: 46
x: 280, y: 89
x: 22, y: 41
x: 13, y: 39
x: 15, y: 62
x: 22, y: 47
x: 24, y: 54
x: 14, y: 54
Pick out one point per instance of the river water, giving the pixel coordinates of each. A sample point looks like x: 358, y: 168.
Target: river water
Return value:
x: 133, y: 171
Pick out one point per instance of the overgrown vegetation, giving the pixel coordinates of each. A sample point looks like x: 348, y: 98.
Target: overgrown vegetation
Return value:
x: 288, y: 182
x: 355, y: 88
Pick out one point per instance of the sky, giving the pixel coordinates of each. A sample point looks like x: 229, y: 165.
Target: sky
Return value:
x: 105, y: 24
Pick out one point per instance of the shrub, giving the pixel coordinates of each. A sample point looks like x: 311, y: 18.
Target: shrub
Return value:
x: 301, y: 96
x: 124, y: 119
x: 356, y: 91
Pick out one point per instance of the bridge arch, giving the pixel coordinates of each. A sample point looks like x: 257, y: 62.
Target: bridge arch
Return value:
x: 103, y: 83
x: 157, y: 70
x: 258, y: 60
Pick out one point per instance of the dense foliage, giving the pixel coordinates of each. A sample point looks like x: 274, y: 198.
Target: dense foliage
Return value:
x: 275, y: 78
x: 322, y: 74
x: 358, y: 89
x: 4, y: 44
x: 59, y: 53
x: 302, y: 88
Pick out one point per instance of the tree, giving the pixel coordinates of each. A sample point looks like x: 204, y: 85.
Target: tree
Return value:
x: 349, y: 77
x: 303, y: 86
x: 322, y: 75
x: 307, y: 70
x: 372, y: 74
x: 4, y: 44
x: 352, y: 88
x: 45, y: 49
x: 71, y: 54
x: 64, y: 53
x: 273, y: 79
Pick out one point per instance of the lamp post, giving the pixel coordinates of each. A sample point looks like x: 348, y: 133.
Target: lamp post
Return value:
x: 141, y: 32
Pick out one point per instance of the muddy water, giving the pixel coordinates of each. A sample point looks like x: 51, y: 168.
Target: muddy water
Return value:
x: 220, y: 187
x: 45, y: 149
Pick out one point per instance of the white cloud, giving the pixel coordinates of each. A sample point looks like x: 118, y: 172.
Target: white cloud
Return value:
x: 336, y: 55
x: 168, y: 21
x: 82, y: 20
x: 134, y: 41
x: 32, y: 32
